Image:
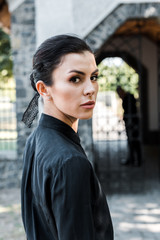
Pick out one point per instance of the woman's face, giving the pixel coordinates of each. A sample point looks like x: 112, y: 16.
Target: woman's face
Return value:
x: 74, y: 89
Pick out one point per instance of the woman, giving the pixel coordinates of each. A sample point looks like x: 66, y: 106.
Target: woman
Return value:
x: 61, y: 196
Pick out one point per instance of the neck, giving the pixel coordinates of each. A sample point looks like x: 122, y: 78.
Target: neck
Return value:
x: 72, y: 122
x: 75, y: 126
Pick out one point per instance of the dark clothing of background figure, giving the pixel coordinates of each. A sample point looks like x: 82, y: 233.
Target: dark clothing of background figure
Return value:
x: 131, y: 120
x: 61, y: 196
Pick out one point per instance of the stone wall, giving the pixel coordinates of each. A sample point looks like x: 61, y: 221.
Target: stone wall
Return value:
x: 23, y: 47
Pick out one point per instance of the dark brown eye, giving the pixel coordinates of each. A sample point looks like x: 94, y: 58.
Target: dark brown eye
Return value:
x: 75, y: 79
x: 94, y: 78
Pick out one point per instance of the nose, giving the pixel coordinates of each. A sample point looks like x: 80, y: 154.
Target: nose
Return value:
x: 89, y: 88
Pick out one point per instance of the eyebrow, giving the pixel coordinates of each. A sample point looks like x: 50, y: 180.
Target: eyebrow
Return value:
x: 82, y: 73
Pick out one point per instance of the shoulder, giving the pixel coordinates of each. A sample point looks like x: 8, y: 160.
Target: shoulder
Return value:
x: 71, y: 165
x: 53, y: 149
x: 74, y: 174
x: 77, y: 163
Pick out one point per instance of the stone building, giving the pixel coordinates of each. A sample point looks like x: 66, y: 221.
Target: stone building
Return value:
x: 126, y: 29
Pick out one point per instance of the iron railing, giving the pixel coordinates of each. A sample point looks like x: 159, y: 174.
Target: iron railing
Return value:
x: 8, y: 128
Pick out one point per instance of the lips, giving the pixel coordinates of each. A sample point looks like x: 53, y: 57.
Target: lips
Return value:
x: 89, y: 104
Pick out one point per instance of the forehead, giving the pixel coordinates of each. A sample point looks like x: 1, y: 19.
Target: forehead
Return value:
x: 80, y: 61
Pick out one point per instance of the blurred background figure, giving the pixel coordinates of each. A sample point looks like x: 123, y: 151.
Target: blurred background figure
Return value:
x: 131, y: 121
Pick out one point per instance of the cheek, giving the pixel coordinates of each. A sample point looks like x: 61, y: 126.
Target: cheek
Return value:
x: 65, y: 94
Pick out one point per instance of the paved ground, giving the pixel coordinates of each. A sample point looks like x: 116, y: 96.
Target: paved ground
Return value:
x: 135, y: 217
x: 10, y: 216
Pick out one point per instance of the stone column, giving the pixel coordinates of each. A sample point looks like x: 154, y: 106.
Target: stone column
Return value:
x: 85, y: 133
x: 23, y: 46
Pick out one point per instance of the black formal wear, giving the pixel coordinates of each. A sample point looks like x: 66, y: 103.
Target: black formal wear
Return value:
x: 60, y: 194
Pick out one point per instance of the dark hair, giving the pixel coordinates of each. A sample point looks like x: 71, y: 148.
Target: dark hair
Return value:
x: 119, y: 89
x: 49, y: 55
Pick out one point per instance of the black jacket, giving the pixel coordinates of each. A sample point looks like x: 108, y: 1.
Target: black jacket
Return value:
x: 61, y: 196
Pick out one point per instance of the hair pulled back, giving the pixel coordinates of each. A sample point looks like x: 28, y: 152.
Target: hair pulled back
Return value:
x: 49, y: 55
x: 45, y: 60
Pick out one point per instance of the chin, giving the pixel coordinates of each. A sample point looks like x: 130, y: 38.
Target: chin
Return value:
x: 85, y: 117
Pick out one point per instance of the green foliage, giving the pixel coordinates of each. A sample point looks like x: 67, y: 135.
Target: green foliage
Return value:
x: 111, y: 76
x: 5, y: 57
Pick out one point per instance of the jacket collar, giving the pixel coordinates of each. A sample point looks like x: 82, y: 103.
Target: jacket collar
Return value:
x: 56, y: 124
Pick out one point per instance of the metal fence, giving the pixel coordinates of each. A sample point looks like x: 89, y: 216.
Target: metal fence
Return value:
x: 8, y: 128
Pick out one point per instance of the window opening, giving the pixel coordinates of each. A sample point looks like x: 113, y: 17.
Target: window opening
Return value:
x: 8, y: 128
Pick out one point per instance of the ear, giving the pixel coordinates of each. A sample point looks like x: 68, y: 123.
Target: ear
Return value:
x: 42, y: 89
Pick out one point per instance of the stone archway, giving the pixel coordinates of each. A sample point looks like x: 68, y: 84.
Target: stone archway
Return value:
x: 106, y: 30
x: 98, y: 38
x: 121, y: 14
x: 143, y: 75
